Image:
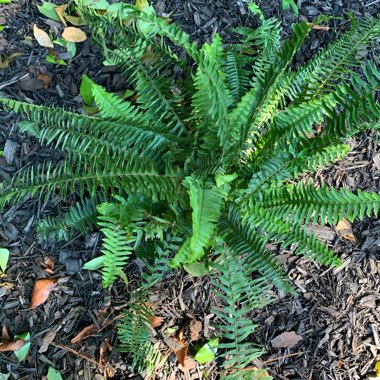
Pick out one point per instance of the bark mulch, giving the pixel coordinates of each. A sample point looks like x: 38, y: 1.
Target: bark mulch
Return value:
x: 336, y: 312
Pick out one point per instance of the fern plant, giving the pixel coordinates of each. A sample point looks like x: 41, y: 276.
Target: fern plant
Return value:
x: 207, y: 158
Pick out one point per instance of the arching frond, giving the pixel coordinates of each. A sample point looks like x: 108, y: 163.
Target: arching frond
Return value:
x: 288, y: 233
x: 240, y: 293
x: 304, y: 202
x: 243, y: 239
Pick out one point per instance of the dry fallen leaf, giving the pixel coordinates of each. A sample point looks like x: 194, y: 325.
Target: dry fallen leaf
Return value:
x: 42, y: 37
x: 42, y: 289
x: 46, y: 340
x: 73, y: 34
x: 47, y: 79
x: 5, y: 335
x: 85, y: 333
x: 196, y: 329
x: 181, y: 354
x: 344, y: 229
x: 11, y: 346
x: 318, y: 27
x: 60, y: 11
x: 155, y: 321
x: 75, y: 20
x: 189, y: 365
x: 263, y: 374
x: 286, y: 340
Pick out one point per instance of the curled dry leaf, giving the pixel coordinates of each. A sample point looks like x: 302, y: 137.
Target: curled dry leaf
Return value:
x: 11, y: 346
x: 60, y: 11
x: 75, y: 20
x: 344, y: 229
x: 73, y: 34
x: 287, y: 339
x: 42, y: 37
x: 155, y: 321
x: 85, y: 333
x: 189, y: 365
x: 42, y: 289
x: 181, y: 354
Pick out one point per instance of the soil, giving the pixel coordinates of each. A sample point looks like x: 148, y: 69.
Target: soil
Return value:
x: 336, y: 312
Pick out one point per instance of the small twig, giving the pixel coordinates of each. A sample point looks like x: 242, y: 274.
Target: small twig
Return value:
x: 11, y: 81
x: 92, y: 361
x: 373, y: 3
x: 284, y: 357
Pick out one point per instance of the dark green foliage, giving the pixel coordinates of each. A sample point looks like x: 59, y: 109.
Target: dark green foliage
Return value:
x: 206, y: 159
x: 81, y: 217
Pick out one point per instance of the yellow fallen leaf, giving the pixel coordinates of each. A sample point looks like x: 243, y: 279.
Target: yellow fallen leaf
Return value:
x: 42, y: 37
x: 73, y: 34
x: 75, y: 20
x: 344, y: 229
x: 60, y: 11
x: 4, y: 64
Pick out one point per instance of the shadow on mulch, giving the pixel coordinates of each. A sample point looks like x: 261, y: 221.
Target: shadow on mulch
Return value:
x: 337, y: 311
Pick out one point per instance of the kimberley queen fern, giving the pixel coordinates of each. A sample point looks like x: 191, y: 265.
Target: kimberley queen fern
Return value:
x: 203, y: 161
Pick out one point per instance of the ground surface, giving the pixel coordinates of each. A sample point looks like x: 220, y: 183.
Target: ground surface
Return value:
x: 337, y: 312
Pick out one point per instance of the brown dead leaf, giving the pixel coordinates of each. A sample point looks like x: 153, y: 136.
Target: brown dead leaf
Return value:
x: 344, y: 229
x: 287, y: 339
x: 47, y: 79
x: 60, y: 11
x: 318, y: 27
x: 5, y: 334
x: 47, y: 340
x: 73, y: 34
x: 42, y: 289
x: 75, y: 20
x: 195, y: 330
x: 11, y: 346
x: 104, y: 353
x: 155, y: 321
x: 181, y: 354
x: 42, y: 37
x: 85, y: 333
x: 189, y: 365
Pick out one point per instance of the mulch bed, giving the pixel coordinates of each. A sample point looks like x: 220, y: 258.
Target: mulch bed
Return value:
x: 337, y: 311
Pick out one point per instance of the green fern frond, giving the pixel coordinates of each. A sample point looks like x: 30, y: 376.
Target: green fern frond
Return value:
x: 303, y: 203
x: 160, y: 266
x: 117, y: 248
x: 85, y: 135
x: 324, y: 71
x: 134, y: 333
x: 206, y: 204
x: 242, y: 238
x: 240, y: 293
x: 80, y: 217
x: 136, y: 175
x: 260, y: 104
x: 237, y: 75
x: 358, y: 105
x: 288, y: 233
x: 298, y: 121
x: 53, y: 229
x: 152, y: 87
x: 212, y: 98
x: 284, y: 163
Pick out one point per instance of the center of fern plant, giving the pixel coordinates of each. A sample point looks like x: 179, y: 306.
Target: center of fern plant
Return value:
x: 204, y: 165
